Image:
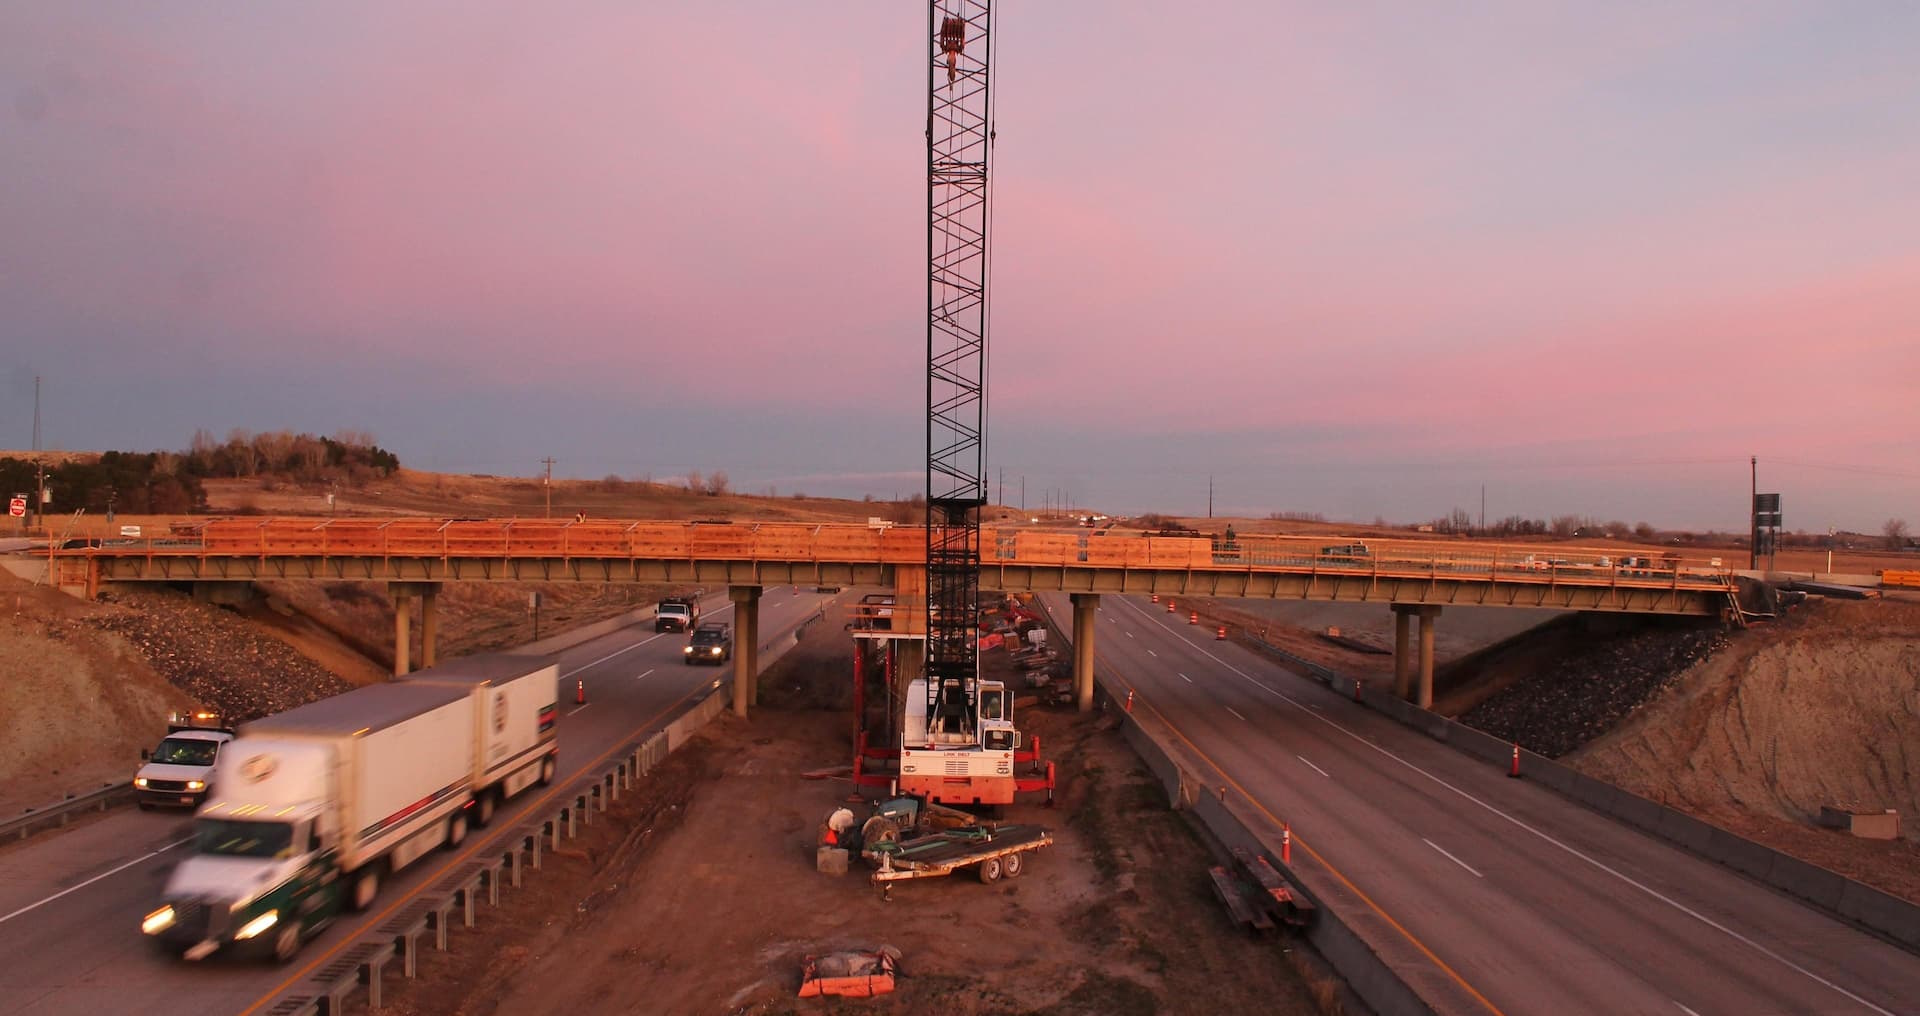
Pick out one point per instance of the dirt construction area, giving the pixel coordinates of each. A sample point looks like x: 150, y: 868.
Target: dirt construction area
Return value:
x: 701, y: 896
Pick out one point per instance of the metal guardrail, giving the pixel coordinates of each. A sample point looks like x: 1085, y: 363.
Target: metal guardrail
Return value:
x: 20, y: 827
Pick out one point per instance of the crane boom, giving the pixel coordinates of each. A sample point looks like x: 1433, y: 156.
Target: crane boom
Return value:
x: 959, y: 144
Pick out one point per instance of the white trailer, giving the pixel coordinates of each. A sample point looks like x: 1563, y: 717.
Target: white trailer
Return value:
x: 332, y: 794
x: 516, y: 711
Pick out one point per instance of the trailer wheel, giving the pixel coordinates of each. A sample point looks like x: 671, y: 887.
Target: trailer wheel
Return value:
x: 1012, y: 865
x: 483, y: 810
x: 990, y: 870
x: 546, y: 770
x: 366, y: 885
x: 457, y: 829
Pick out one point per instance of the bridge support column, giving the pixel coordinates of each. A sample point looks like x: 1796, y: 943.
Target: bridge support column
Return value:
x: 746, y: 639
x: 1085, y: 613
x: 1402, y: 651
x: 429, y: 624
x: 1425, y: 698
x: 402, y: 593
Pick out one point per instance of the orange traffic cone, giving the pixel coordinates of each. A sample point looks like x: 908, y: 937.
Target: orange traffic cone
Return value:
x: 1193, y: 617
x: 580, y: 691
x: 1220, y: 634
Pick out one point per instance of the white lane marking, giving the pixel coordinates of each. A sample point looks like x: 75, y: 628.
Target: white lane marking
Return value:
x: 1684, y: 1009
x: 1450, y: 857
x: 96, y: 878
x: 1129, y: 634
x: 1185, y: 678
x: 1236, y: 712
x: 1153, y: 654
x: 1315, y: 768
x: 1601, y: 865
x: 577, y: 708
x: 640, y: 676
x: 611, y: 655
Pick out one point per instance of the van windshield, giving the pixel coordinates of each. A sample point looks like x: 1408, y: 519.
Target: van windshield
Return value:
x: 243, y: 839
x: 181, y: 751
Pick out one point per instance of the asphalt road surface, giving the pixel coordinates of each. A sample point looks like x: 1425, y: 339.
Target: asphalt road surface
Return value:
x: 1504, y: 896
x: 71, y: 902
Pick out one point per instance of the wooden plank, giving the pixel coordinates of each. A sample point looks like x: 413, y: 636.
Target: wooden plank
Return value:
x: 1227, y: 888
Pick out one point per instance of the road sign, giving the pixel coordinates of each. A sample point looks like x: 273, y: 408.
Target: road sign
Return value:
x: 17, y: 506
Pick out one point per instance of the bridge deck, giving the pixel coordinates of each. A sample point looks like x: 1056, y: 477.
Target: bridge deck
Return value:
x: 1012, y: 559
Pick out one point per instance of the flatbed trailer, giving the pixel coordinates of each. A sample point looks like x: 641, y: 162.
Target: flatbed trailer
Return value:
x: 993, y: 854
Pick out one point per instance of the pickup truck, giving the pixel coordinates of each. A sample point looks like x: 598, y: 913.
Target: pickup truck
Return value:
x: 711, y: 643
x: 676, y: 613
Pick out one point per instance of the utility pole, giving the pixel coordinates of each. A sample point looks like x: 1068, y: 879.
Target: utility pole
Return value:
x: 1001, y: 497
x: 1483, y: 510
x: 1209, y: 495
x: 548, y: 484
x: 1023, y: 495
x: 1753, y: 515
x: 39, y: 506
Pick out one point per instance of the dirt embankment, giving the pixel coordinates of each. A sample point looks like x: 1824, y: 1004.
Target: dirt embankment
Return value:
x: 88, y: 685
x: 1822, y: 708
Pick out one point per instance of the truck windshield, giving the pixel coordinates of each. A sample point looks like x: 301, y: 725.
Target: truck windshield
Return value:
x: 243, y: 839
x: 176, y: 751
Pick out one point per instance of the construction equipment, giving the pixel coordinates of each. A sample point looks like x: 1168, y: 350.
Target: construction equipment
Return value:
x: 955, y: 740
x: 909, y: 838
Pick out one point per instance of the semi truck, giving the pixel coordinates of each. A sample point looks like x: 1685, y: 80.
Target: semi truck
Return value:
x: 313, y: 807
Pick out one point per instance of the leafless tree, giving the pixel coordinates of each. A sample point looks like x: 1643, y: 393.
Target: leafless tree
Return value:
x: 1643, y: 530
x: 1896, y: 533
x: 717, y: 483
x: 1565, y: 525
x: 246, y: 458
x: 695, y: 482
x: 203, y: 448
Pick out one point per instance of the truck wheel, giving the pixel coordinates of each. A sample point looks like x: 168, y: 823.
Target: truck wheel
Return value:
x: 546, y: 770
x: 483, y: 810
x: 457, y: 829
x: 366, y: 885
x: 287, y: 942
x: 990, y: 870
x: 1011, y: 865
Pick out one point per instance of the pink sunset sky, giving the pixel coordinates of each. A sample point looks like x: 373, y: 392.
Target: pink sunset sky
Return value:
x: 1357, y: 259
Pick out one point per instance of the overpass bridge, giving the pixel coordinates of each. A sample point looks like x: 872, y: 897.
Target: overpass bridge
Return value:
x: 1416, y: 578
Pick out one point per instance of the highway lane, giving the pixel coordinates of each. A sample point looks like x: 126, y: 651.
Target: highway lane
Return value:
x: 71, y: 903
x: 1535, y: 903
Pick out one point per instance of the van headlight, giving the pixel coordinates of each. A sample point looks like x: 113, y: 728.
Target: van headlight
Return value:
x: 257, y: 925
x: 688, y: 650
x: 196, y: 784
x: 158, y: 921
x: 140, y: 781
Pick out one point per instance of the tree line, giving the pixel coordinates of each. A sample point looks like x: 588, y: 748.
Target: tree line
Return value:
x: 170, y: 483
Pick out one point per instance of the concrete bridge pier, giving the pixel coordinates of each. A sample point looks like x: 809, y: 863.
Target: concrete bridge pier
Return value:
x: 1409, y: 684
x: 746, y: 646
x: 403, y: 594
x: 1086, y: 608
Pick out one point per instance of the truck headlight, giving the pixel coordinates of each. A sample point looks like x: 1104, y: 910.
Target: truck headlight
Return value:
x: 689, y: 649
x: 196, y: 784
x: 140, y: 781
x: 158, y: 921
x: 257, y: 925
x: 715, y: 650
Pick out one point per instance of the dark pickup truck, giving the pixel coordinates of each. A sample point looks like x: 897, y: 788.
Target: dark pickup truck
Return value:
x: 711, y: 643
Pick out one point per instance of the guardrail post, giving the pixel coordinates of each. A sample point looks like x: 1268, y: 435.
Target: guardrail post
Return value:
x: 534, y: 840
